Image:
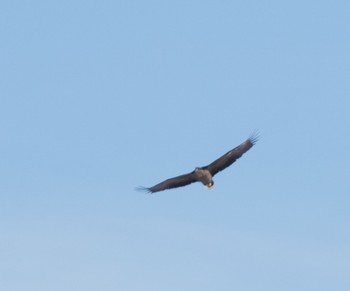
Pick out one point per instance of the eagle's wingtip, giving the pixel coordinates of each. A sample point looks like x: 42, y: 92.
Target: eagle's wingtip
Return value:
x: 143, y: 189
x: 254, y: 137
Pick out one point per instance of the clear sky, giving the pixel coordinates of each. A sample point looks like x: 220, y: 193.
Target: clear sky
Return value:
x: 98, y: 97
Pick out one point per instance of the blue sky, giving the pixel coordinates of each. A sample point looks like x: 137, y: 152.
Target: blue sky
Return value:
x: 98, y: 97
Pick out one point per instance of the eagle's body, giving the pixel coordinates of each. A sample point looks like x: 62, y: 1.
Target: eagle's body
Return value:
x: 205, y: 174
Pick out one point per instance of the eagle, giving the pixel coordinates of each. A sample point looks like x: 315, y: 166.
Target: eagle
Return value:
x: 205, y: 174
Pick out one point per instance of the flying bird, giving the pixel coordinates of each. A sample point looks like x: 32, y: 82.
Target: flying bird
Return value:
x: 205, y: 174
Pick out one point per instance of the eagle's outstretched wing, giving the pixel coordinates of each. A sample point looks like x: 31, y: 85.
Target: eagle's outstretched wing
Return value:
x: 230, y: 157
x: 175, y: 182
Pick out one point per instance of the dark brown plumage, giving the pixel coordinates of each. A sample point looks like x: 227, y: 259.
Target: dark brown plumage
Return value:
x: 205, y: 174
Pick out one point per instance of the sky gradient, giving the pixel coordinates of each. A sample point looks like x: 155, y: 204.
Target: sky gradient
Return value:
x: 99, y: 97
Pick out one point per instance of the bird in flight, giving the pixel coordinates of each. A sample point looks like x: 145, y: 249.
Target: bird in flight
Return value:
x: 205, y: 174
